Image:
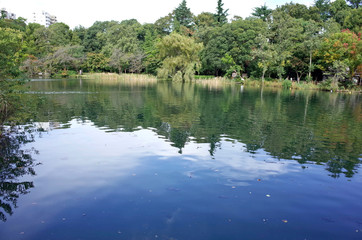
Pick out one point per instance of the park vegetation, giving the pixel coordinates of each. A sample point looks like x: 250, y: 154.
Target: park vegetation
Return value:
x: 320, y: 43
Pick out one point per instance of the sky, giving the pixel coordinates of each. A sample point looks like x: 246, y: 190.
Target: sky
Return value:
x: 85, y: 12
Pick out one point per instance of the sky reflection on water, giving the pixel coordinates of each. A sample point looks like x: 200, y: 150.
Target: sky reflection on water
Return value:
x: 183, y: 162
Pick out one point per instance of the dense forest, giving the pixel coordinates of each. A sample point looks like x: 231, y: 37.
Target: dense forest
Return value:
x: 291, y: 41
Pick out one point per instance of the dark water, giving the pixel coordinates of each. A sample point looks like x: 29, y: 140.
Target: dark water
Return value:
x: 136, y: 160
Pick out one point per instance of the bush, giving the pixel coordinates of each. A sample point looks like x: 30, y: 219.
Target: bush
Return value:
x: 287, y: 84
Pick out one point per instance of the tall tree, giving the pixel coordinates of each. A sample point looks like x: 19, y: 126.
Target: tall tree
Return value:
x: 265, y: 55
x: 262, y: 12
x: 221, y: 14
x: 323, y: 8
x: 183, y: 15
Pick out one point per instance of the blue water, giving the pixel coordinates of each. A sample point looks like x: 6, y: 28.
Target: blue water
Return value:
x: 93, y: 182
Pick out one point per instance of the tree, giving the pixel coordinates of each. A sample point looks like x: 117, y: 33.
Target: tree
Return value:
x: 67, y: 57
x: 96, y: 62
x: 311, y: 42
x: 344, y: 47
x: 11, y: 55
x: 262, y: 12
x: 164, y: 25
x: 59, y: 35
x: 119, y: 60
x: 265, y: 54
x: 11, y: 46
x: 92, y: 42
x: 323, y: 8
x: 183, y: 16
x: 204, y: 19
x: 124, y: 36
x: 180, y: 57
x: 355, y: 3
x: 221, y: 14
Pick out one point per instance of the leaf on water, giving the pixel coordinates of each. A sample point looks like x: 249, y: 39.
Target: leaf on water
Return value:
x: 268, y: 195
x: 285, y: 221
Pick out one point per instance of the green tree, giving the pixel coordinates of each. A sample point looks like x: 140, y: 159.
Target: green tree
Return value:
x: 355, y: 3
x: 59, y: 34
x: 164, y: 25
x: 124, y: 36
x: 262, y: 12
x: 151, y: 61
x: 180, y: 57
x: 183, y: 16
x: 119, y: 60
x: 11, y: 56
x: 323, y: 8
x: 204, y: 19
x: 264, y: 54
x: 67, y: 57
x: 96, y: 62
x: 11, y: 52
x: 221, y: 14
x: 92, y: 42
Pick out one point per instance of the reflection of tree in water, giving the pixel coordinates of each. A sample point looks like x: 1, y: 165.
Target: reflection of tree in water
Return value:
x: 309, y: 127
x: 14, y: 163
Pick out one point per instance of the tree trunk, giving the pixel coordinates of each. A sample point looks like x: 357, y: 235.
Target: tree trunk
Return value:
x: 310, y: 66
x: 298, y: 77
x: 262, y: 77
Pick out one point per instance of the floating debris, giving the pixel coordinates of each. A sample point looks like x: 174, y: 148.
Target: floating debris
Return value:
x: 285, y: 221
x: 267, y: 195
x: 259, y: 180
x: 233, y: 187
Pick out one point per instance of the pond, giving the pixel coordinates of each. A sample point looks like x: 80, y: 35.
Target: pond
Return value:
x: 145, y: 160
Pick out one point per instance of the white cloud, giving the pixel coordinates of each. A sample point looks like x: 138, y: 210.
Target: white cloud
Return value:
x: 82, y: 12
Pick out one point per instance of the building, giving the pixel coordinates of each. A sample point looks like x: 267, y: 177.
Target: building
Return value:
x: 7, y: 15
x: 44, y: 18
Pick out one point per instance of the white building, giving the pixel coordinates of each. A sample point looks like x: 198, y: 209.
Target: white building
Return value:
x: 44, y: 18
x: 7, y: 15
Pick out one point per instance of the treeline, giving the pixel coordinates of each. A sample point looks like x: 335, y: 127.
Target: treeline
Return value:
x: 291, y: 41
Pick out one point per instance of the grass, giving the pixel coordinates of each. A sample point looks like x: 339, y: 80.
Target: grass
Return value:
x: 212, y: 82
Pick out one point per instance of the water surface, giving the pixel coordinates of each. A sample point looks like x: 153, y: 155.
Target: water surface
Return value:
x: 140, y: 160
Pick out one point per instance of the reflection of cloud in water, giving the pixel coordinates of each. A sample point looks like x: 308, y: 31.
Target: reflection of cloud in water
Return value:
x: 233, y: 162
x: 73, y: 162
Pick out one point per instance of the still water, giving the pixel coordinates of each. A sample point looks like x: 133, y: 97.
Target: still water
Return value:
x: 146, y: 160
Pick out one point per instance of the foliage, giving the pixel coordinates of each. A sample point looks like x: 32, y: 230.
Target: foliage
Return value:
x: 262, y: 12
x: 96, y: 62
x: 183, y: 16
x: 221, y: 14
x: 287, y: 84
x: 344, y: 47
x: 11, y: 52
x: 180, y: 57
x: 293, y: 42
